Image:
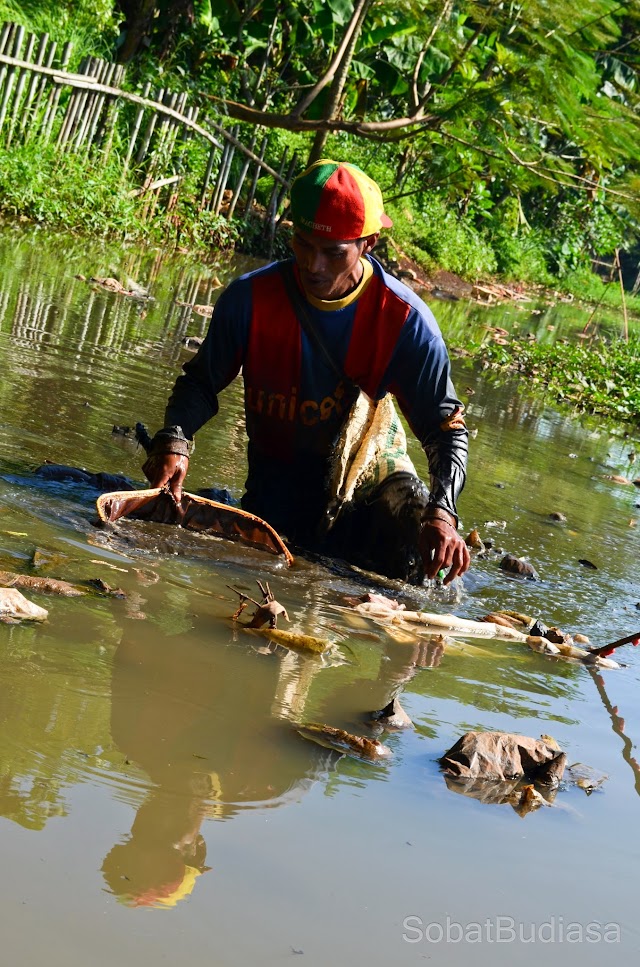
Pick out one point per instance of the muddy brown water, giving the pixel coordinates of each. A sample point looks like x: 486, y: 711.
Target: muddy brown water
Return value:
x: 156, y: 802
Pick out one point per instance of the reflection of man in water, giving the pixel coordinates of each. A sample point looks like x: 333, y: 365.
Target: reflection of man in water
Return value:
x: 202, y: 721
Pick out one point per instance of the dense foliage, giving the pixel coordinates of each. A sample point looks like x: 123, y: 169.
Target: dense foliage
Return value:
x: 601, y: 377
x: 505, y: 136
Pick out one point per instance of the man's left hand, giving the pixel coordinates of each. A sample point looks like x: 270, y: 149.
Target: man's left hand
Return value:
x: 442, y: 547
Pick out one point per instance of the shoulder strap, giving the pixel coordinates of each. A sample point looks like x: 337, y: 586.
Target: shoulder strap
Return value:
x: 301, y: 309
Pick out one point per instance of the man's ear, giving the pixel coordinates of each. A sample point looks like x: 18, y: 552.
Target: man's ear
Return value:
x: 370, y: 242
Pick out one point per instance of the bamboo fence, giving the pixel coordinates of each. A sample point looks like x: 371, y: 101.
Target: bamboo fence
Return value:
x: 90, y: 112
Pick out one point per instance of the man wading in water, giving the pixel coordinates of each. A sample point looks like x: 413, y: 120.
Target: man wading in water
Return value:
x: 313, y: 336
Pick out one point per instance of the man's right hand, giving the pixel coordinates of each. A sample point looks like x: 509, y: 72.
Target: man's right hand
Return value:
x: 167, y: 470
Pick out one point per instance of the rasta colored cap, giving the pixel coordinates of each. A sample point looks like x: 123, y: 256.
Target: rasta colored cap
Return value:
x: 337, y: 200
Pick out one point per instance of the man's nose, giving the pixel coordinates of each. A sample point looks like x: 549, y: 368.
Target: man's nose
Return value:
x: 315, y: 261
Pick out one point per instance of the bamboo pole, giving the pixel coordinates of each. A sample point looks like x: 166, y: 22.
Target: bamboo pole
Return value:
x: 87, y: 108
x: 11, y: 75
x: 155, y: 158
x: 622, y: 295
x: 241, y: 178
x: 282, y: 191
x: 17, y: 97
x: 207, y: 176
x: 94, y: 110
x: 223, y: 176
x: 6, y: 39
x: 40, y: 90
x: 254, y: 180
x: 272, y: 207
x: 111, y: 113
x: 179, y: 165
x: 96, y: 129
x: 35, y: 80
x: 73, y: 106
x: 153, y: 120
x: 56, y: 91
x: 136, y: 127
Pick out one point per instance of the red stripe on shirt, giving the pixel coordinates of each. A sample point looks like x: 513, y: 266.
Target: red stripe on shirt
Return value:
x: 380, y: 315
x: 272, y: 369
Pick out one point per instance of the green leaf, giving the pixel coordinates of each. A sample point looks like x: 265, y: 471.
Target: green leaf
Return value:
x: 342, y: 10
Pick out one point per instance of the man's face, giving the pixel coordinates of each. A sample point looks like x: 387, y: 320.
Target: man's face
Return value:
x: 329, y: 269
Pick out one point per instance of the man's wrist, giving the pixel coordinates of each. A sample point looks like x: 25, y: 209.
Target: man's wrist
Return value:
x: 432, y: 514
x: 171, y: 439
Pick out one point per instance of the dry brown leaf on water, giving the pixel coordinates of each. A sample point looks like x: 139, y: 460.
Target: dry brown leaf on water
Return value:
x: 344, y: 742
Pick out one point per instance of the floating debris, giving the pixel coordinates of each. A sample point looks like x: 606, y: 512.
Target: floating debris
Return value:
x: 192, y: 343
x: 97, y: 584
x: 392, y: 716
x: 15, y: 607
x: 387, y: 612
x: 344, y: 742
x: 296, y: 640
x: 585, y: 777
x: 516, y: 565
x: 505, y: 756
x: 267, y: 611
x: 132, y: 289
x: 201, y: 310
x: 9, y: 579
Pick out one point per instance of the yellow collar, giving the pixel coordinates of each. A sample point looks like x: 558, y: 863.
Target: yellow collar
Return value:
x: 330, y: 305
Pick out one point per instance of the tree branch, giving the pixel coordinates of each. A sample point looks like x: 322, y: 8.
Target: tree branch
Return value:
x: 291, y: 122
x: 444, y: 14
x: 328, y: 76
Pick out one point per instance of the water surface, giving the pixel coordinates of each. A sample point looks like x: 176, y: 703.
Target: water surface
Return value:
x: 156, y: 802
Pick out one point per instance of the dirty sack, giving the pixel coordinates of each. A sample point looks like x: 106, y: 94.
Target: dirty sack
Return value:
x: 371, y: 447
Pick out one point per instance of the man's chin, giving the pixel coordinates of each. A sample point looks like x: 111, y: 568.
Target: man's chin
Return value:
x: 319, y: 290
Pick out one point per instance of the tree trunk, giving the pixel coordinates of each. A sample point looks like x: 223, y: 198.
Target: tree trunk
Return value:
x: 139, y: 16
x: 338, y: 83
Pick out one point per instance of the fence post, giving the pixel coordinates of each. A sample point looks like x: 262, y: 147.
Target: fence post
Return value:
x: 54, y: 94
x: 136, y: 128
x: 40, y: 89
x: 33, y: 86
x: 11, y: 75
x: 22, y: 80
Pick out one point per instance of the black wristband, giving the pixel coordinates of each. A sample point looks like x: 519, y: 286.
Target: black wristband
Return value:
x: 171, y: 439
